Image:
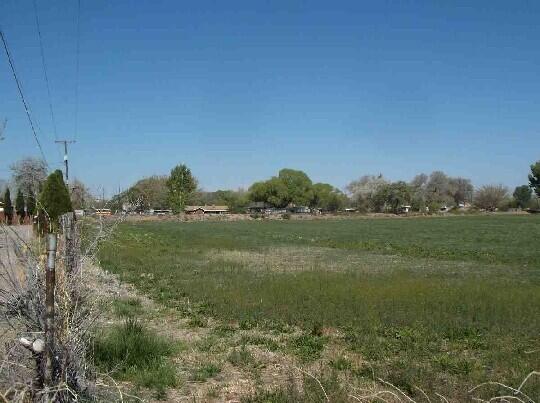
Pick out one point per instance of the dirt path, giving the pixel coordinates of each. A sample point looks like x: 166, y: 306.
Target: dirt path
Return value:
x: 12, y: 238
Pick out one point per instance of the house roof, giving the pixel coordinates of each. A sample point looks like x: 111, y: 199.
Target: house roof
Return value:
x: 207, y: 208
x: 259, y: 205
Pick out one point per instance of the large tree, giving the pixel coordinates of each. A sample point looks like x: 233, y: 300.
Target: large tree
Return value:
x: 54, y: 199
x: 534, y: 178
x: 327, y: 197
x: 490, y: 197
x: 181, y: 185
x: 392, y: 196
x: 299, y: 186
x: 272, y: 191
x: 19, y: 206
x: 8, y: 207
x: 461, y: 189
x: 522, y: 196
x: 29, y: 174
x: 289, y: 187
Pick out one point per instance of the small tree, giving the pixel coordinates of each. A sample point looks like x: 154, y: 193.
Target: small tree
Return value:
x: 181, y: 185
x: 522, y: 196
x: 490, y: 197
x: 19, y: 206
x: 54, y: 199
x: 8, y: 207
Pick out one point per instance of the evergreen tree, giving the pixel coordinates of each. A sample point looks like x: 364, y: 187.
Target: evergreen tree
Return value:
x: 19, y: 206
x: 31, y: 204
x: 54, y: 199
x: 8, y: 207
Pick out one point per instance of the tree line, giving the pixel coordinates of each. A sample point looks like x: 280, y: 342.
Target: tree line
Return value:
x: 290, y: 187
x: 369, y: 193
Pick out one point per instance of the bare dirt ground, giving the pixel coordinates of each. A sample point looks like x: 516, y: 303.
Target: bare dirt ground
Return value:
x: 11, y: 238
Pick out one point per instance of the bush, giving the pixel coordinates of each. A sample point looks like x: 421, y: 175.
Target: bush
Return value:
x: 134, y: 353
x: 286, y: 216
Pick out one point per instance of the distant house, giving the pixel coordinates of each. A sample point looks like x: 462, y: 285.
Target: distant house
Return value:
x: 404, y: 209
x: 300, y: 210
x: 259, y: 207
x: 206, y: 210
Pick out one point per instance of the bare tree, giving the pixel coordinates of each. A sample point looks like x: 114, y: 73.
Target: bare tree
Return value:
x: 28, y: 174
x: 490, y: 197
x: 81, y: 197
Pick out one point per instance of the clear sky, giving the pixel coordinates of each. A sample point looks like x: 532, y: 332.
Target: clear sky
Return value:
x: 239, y: 89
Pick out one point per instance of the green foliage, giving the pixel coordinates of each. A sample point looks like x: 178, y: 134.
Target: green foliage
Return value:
x: 19, y: 205
x: 272, y: 191
x: 54, y: 198
x: 522, y: 196
x: 392, y: 196
x: 235, y: 201
x: 31, y: 204
x: 308, y: 347
x: 534, y: 178
x: 298, y: 185
x: 290, y: 186
x: 8, y: 206
x: 181, y: 184
x: 327, y: 197
x: 147, y: 193
x: 134, y: 353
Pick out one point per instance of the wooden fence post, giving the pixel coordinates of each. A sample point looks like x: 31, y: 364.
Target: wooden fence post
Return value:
x: 50, y: 280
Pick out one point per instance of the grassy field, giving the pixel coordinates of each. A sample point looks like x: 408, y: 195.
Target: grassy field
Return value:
x: 437, y: 303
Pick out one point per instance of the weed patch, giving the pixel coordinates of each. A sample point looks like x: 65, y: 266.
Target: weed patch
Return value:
x: 132, y: 352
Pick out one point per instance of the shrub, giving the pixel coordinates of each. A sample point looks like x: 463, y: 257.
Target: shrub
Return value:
x: 132, y: 352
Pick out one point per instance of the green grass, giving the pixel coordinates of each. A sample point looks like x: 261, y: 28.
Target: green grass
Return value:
x: 440, y: 303
x: 131, y: 352
x: 127, y: 307
x: 205, y: 371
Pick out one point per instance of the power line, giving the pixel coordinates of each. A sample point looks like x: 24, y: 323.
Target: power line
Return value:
x: 44, y: 65
x: 8, y: 54
x: 77, y: 57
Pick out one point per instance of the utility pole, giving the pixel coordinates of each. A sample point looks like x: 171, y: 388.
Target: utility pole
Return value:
x: 66, y: 142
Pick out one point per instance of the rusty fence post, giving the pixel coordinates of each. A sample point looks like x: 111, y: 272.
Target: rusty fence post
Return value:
x: 50, y: 280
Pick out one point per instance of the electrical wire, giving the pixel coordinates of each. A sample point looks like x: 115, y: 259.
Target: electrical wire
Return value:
x: 26, y: 109
x: 44, y: 65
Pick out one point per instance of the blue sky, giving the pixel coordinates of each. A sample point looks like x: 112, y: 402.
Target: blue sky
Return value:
x: 239, y: 89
